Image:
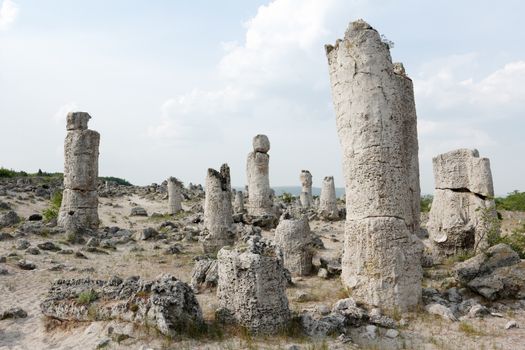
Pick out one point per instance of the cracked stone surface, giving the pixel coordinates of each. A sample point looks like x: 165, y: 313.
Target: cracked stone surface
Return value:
x: 218, y: 212
x: 376, y: 122
x: 79, y: 207
x: 328, y: 200
x: 459, y: 218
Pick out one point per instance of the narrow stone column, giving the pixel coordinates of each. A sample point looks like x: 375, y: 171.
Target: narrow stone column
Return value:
x: 174, y: 196
x: 376, y: 123
x: 217, y: 211
x: 238, y: 203
x: 79, y: 209
x: 260, y: 195
x: 463, y: 203
x: 252, y: 287
x: 328, y: 201
x: 293, y: 236
x: 306, y: 190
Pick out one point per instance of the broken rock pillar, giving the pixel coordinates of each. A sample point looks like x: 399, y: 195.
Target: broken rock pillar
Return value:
x: 306, y: 189
x: 293, y: 236
x: 376, y: 123
x: 238, y: 202
x: 217, y: 211
x: 260, y: 201
x: 79, y: 208
x: 463, y: 203
x: 174, y: 196
x: 328, y: 201
x: 252, y: 287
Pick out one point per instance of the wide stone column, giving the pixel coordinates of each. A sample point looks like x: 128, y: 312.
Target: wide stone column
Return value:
x: 260, y: 200
x: 174, y: 196
x: 328, y: 201
x: 294, y: 237
x: 463, y: 205
x: 218, y: 211
x: 306, y: 189
x: 376, y: 123
x: 79, y: 209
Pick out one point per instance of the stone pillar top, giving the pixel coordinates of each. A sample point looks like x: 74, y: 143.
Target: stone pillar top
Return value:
x: 77, y: 121
x: 261, y: 144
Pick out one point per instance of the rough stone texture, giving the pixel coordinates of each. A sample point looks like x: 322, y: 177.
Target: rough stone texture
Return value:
x: 495, y: 274
x: 376, y: 123
x: 166, y: 302
x: 79, y: 209
x: 9, y: 218
x: 293, y: 237
x: 306, y: 189
x: 252, y: 287
x: 218, y: 211
x: 260, y: 200
x: 328, y: 200
x: 238, y: 203
x: 459, y: 218
x: 204, y: 274
x: 174, y: 196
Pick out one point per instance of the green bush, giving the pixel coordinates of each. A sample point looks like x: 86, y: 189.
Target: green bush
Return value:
x: 116, y: 180
x: 7, y: 173
x: 87, y: 297
x: 54, y: 206
x: 426, y: 203
x: 515, y: 201
x: 516, y: 240
x: 287, y: 197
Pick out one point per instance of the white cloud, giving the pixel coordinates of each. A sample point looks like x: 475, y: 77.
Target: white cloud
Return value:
x: 61, y: 113
x: 8, y: 14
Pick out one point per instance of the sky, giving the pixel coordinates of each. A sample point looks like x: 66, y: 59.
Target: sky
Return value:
x: 176, y: 87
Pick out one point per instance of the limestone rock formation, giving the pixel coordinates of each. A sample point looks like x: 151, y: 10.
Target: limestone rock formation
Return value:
x: 252, y: 287
x: 79, y: 209
x: 463, y: 202
x: 166, y: 302
x: 218, y: 211
x: 376, y: 123
x: 257, y: 168
x: 306, y: 189
x: 293, y: 237
x: 238, y: 203
x: 174, y: 196
x: 328, y: 200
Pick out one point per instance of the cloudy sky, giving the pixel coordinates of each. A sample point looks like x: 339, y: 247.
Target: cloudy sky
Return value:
x: 176, y: 87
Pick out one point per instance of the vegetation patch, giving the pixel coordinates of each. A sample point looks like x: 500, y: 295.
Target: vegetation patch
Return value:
x: 515, y: 201
x: 51, y: 212
x: 87, y: 297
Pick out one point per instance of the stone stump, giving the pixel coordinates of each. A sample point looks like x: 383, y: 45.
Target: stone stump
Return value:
x: 376, y: 123
x: 328, y: 200
x: 293, y: 237
x: 174, y: 196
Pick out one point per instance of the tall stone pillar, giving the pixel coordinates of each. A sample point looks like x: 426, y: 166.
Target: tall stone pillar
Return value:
x: 260, y: 194
x: 218, y: 211
x: 328, y: 201
x: 376, y: 123
x: 306, y: 189
x: 238, y: 203
x: 79, y: 209
x: 174, y: 196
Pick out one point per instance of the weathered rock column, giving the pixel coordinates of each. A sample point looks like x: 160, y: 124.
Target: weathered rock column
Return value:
x: 376, y: 123
x: 252, y: 287
x: 306, y: 190
x: 79, y: 209
x: 328, y: 201
x: 217, y: 211
x: 260, y: 195
x: 174, y: 196
x: 293, y: 236
x: 463, y: 203
x: 238, y: 203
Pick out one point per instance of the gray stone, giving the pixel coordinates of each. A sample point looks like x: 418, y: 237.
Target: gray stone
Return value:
x: 13, y: 313
x: 22, y: 244
x: 441, y: 310
x: 260, y: 201
x: 322, y: 326
x: 376, y: 123
x: 138, y: 211
x: 306, y: 189
x: 292, y: 236
x: 174, y: 196
x: 26, y: 265
x: 218, y: 212
x: 49, y: 246
x: 391, y: 333
x: 238, y: 203
x: 166, y: 303
x: 204, y: 274
x: 328, y: 200
x: 252, y: 287
x: 511, y: 324
x: 9, y: 218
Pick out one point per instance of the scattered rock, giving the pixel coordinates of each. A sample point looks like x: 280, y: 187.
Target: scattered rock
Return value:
x: 511, y: 324
x: 22, y: 244
x: 35, y: 217
x: 9, y: 218
x: 138, y: 211
x: 49, y: 246
x: 441, y: 310
x: 26, y: 265
x: 204, y: 274
x: 13, y: 313
x: 391, y: 333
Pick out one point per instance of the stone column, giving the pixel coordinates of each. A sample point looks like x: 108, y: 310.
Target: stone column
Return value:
x: 306, y: 190
x: 260, y: 195
x: 463, y: 203
x: 217, y: 211
x: 293, y: 237
x: 376, y: 123
x: 252, y: 287
x: 79, y: 209
x: 174, y: 196
x: 328, y: 201
x: 238, y: 203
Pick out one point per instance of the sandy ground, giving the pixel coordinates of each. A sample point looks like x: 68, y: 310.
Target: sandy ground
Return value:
x: 26, y: 289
